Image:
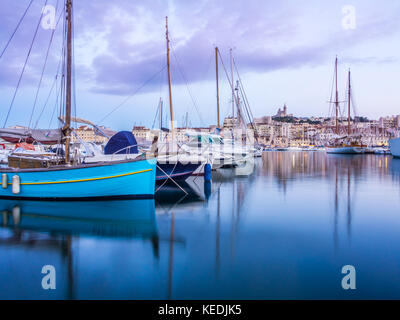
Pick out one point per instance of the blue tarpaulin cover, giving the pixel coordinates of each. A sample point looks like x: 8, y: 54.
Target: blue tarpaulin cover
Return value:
x: 119, y: 141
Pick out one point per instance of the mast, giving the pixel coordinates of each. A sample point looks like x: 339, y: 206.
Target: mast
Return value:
x: 169, y: 79
x: 337, y: 97
x: 161, y: 115
x: 239, y: 115
x: 233, y: 92
x: 67, y: 126
x: 216, y: 75
x: 348, y: 106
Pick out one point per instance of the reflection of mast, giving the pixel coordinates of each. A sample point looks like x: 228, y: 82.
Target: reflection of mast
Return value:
x: 335, y: 222
x: 70, y: 264
x: 217, y: 238
x: 348, y: 205
x: 233, y: 216
x: 171, y: 256
x: 239, y: 198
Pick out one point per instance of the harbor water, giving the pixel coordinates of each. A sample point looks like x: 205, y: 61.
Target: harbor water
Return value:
x: 283, y: 232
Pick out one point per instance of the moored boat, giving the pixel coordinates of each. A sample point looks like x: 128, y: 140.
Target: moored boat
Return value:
x: 351, y: 142
x: 103, y: 180
x: 53, y: 176
x: 345, y: 150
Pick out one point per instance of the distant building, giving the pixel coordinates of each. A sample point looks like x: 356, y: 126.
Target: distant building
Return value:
x: 88, y: 134
x: 230, y: 123
x: 389, y: 122
x: 142, y: 133
x: 283, y: 113
x: 263, y: 120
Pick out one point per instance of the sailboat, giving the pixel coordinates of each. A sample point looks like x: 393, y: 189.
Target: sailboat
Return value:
x: 173, y: 163
x: 55, y: 177
x: 223, y: 152
x: 348, y: 144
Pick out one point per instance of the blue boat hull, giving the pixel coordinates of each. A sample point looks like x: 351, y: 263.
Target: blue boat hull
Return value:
x: 111, y: 180
x: 177, y: 171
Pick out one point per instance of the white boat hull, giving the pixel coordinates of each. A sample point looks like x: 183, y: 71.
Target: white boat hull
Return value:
x: 345, y: 150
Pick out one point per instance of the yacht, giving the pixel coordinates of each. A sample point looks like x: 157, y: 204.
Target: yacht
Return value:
x: 221, y: 152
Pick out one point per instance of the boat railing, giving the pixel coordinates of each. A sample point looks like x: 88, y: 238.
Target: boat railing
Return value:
x: 127, y: 148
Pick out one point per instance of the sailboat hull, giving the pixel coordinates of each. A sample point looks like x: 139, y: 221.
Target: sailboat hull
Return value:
x: 177, y: 171
x: 112, y: 180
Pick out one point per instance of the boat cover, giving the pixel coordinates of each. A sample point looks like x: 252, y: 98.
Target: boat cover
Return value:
x: 44, y: 136
x: 122, y: 142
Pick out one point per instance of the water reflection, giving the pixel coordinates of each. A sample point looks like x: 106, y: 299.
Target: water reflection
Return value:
x: 92, y: 218
x: 342, y: 171
x: 283, y: 232
x: 395, y: 169
x: 290, y: 166
x: 50, y: 230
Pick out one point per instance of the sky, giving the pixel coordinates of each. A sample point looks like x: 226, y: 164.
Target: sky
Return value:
x: 284, y: 51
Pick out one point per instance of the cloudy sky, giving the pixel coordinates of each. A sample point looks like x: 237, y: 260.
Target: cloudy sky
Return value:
x: 284, y: 51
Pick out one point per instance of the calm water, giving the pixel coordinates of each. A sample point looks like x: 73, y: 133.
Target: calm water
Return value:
x: 284, y: 232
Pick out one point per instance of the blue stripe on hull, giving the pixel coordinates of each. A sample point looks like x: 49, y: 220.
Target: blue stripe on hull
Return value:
x: 133, y: 179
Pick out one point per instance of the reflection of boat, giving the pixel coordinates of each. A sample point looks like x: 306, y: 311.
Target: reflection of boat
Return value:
x: 122, y: 218
x: 395, y: 166
x: 395, y: 147
x: 56, y: 232
x: 172, y: 194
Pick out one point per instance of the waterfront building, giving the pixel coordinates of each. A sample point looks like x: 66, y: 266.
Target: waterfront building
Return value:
x: 88, y: 134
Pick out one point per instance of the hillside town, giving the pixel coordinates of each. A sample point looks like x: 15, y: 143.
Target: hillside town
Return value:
x: 280, y: 130
x: 284, y: 129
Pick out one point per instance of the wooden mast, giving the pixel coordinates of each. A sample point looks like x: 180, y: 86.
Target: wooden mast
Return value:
x: 337, y: 97
x: 169, y: 79
x: 348, y: 106
x: 67, y: 126
x: 216, y: 75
